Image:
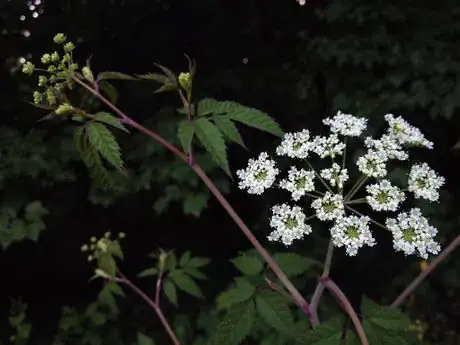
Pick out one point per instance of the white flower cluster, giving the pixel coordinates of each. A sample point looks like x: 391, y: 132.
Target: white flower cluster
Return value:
x: 349, y: 229
x: 412, y: 233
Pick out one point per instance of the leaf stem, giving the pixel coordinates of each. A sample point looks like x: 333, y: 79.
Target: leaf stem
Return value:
x: 320, y: 286
x: 356, y: 187
x: 152, y: 304
x: 319, y: 176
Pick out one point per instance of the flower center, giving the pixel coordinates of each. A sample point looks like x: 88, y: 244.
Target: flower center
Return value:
x: 409, y: 235
x: 261, y: 175
x: 291, y: 222
x: 300, y: 183
x: 352, y: 232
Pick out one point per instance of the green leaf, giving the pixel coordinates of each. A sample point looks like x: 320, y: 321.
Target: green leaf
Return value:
x: 228, y: 128
x: 198, y: 262
x: 143, y: 339
x: 248, y: 265
x: 167, y: 87
x: 184, y: 258
x: 327, y: 333
x: 248, y: 116
x: 213, y: 142
x: 154, y: 76
x: 35, y: 211
x: 274, y: 310
x: 105, y: 143
x: 293, y: 264
x: 111, y: 120
x: 148, y: 272
x: 388, y: 318
x: 195, y: 273
x: 236, y: 324
x: 194, y: 204
x: 109, y: 91
x: 255, y: 118
x: 170, y: 291
x: 185, y: 132
x: 241, y: 292
x: 107, y: 264
x: 106, y: 298
x: 207, y: 106
x: 379, y: 336
x: 34, y: 229
x: 115, y: 289
x: 185, y: 283
x: 114, y: 75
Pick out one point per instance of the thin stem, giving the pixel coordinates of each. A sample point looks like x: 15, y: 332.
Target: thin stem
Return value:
x: 152, y: 304
x: 335, y: 290
x: 356, y: 201
x: 320, y: 287
x: 416, y: 282
x: 344, y: 153
x: 320, y: 178
x: 356, y: 187
x: 278, y: 289
x: 301, y: 302
x: 298, y: 298
x: 158, y: 287
x: 362, y: 215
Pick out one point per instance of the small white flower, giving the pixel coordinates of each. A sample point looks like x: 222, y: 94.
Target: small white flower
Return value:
x: 412, y: 234
x: 295, y: 145
x: 298, y: 182
x: 329, y: 207
x: 289, y: 224
x: 259, y: 175
x: 373, y: 164
x: 384, y: 197
x: 352, y: 233
x: 387, y: 144
x: 336, y: 176
x: 328, y: 146
x: 346, y: 124
x: 405, y: 133
x: 424, y: 182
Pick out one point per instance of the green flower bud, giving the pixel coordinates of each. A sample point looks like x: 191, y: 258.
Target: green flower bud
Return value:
x: 86, y: 71
x: 84, y: 248
x: 46, y: 58
x: 38, y: 97
x: 64, y: 108
x: 50, y: 97
x: 93, y: 239
x: 52, y: 69
x: 121, y: 235
x: 28, y: 68
x: 42, y: 80
x: 68, y: 47
x: 185, y: 80
x: 59, y: 38
x: 55, y: 57
x: 66, y: 58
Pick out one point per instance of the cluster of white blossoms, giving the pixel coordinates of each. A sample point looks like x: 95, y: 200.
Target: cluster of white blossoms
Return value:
x: 336, y: 203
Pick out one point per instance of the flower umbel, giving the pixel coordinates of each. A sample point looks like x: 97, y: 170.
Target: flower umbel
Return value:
x: 329, y: 207
x: 352, y: 233
x: 424, y: 182
x: 259, y: 175
x: 346, y: 124
x: 295, y: 145
x: 336, y: 176
x: 298, y: 182
x: 384, y: 197
x: 289, y: 224
x: 412, y: 234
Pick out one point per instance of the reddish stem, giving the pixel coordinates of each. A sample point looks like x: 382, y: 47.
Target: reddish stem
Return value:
x: 416, y: 282
x: 152, y: 304
x: 346, y: 305
x: 299, y: 299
